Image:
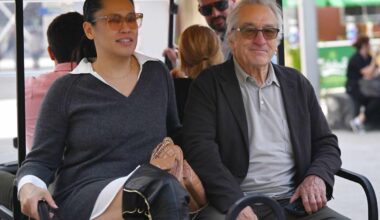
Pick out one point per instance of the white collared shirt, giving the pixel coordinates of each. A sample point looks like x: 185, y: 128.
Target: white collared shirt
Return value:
x: 85, y: 66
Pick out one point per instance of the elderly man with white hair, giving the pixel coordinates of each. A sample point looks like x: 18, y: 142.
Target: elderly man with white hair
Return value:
x: 256, y: 128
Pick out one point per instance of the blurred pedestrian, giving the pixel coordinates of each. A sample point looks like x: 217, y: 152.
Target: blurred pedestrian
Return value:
x: 361, y: 66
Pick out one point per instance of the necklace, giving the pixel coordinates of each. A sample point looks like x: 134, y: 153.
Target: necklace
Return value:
x: 123, y: 76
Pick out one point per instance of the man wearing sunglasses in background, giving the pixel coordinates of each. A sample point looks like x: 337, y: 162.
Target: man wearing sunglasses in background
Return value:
x: 215, y: 13
x: 256, y: 128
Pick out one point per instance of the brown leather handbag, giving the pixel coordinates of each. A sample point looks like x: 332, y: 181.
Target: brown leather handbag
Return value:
x: 169, y: 157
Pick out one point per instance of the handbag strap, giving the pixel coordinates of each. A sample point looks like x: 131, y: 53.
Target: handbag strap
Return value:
x: 161, y: 146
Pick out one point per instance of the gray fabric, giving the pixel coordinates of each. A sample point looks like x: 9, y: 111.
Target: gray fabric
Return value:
x: 209, y: 213
x: 6, y: 189
x: 271, y: 168
x: 264, y: 213
x: 226, y: 49
x: 101, y: 134
x: 370, y: 87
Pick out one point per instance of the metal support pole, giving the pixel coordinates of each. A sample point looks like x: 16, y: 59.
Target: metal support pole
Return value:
x: 20, y: 70
x: 308, y: 42
x: 173, y: 7
x: 20, y: 98
x: 281, y: 49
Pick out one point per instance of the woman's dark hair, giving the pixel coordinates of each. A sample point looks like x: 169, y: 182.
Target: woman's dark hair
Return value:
x: 363, y: 40
x: 90, y: 7
x: 87, y: 47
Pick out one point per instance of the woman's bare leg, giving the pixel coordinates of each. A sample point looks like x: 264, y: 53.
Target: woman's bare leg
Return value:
x: 114, y: 210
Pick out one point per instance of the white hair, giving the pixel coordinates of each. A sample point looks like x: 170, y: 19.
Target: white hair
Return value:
x: 232, y: 18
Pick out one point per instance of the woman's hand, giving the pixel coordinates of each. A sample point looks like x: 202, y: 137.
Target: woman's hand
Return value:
x: 247, y: 214
x: 29, y: 197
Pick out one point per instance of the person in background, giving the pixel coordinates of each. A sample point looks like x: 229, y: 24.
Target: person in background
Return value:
x: 63, y: 34
x: 98, y: 126
x: 256, y: 128
x: 361, y: 65
x: 198, y: 48
x: 215, y: 13
x: 35, y: 46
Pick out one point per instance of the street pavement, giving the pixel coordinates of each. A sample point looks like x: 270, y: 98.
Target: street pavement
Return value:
x: 361, y: 154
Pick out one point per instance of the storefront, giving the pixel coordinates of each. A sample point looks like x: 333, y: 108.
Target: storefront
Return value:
x: 339, y: 23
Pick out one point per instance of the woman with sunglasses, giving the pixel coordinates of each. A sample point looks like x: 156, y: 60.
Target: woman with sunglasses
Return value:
x: 99, y: 125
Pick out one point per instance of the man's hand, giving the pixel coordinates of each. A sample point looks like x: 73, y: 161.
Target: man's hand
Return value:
x: 247, y: 214
x: 312, y: 192
x: 29, y: 197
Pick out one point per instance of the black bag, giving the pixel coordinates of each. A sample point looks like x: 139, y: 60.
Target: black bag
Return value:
x: 150, y: 192
x: 370, y: 87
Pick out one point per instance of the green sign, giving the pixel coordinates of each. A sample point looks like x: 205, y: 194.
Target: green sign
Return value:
x: 350, y: 3
x: 333, y: 3
x: 333, y: 63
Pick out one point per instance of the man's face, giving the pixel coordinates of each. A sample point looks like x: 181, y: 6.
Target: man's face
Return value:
x: 215, y: 13
x: 250, y: 49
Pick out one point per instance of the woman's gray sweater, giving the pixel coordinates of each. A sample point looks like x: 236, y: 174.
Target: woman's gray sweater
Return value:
x: 89, y: 134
